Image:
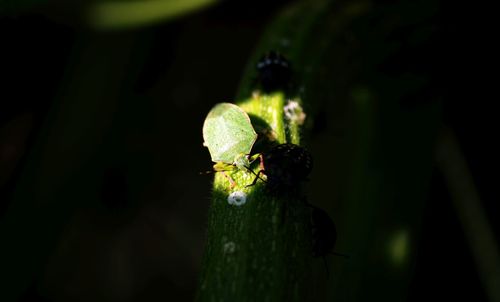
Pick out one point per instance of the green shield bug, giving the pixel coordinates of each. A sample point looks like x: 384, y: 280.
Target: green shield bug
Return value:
x: 229, y: 136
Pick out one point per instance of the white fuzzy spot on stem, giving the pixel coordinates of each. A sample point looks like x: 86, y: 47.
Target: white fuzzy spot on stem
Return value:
x: 237, y: 198
x: 294, y: 112
x: 229, y: 247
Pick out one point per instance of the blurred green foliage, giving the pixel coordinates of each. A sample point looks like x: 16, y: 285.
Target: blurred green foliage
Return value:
x: 10, y: 7
x: 367, y: 72
x: 108, y: 14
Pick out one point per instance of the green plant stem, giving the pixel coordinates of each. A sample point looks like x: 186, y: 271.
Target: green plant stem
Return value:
x: 338, y: 50
x: 467, y: 203
x: 260, y: 251
x: 256, y: 251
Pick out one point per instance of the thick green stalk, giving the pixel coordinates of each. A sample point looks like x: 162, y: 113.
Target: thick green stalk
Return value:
x: 257, y: 250
x: 261, y: 250
x: 349, y: 61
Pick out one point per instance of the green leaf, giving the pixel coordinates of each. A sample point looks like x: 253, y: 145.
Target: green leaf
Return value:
x: 108, y: 15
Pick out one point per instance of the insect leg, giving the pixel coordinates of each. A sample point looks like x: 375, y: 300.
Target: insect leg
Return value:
x: 207, y: 172
x: 261, y: 162
x: 230, y: 179
x: 326, y: 268
x: 338, y: 254
x: 256, y: 177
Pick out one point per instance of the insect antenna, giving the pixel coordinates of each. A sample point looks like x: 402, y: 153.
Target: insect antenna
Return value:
x: 325, y: 262
x: 206, y: 172
x: 338, y: 254
x: 257, y: 176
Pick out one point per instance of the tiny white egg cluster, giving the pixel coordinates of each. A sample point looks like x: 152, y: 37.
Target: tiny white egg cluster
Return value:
x: 229, y: 247
x: 294, y: 112
x: 237, y: 198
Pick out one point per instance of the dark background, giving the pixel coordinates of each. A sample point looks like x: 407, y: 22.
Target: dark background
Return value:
x: 137, y: 228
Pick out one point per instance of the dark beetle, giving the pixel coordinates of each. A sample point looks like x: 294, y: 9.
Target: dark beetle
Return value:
x: 274, y: 72
x: 285, y: 166
x: 323, y: 233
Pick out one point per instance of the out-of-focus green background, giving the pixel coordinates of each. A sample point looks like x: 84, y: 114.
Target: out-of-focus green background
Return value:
x: 102, y: 121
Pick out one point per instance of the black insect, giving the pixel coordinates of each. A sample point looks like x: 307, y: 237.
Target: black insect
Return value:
x: 285, y: 166
x: 274, y: 72
x: 323, y: 234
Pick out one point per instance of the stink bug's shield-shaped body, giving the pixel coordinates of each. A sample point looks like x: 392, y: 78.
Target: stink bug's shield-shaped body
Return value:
x: 228, y: 133
x: 286, y: 165
x: 274, y: 72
